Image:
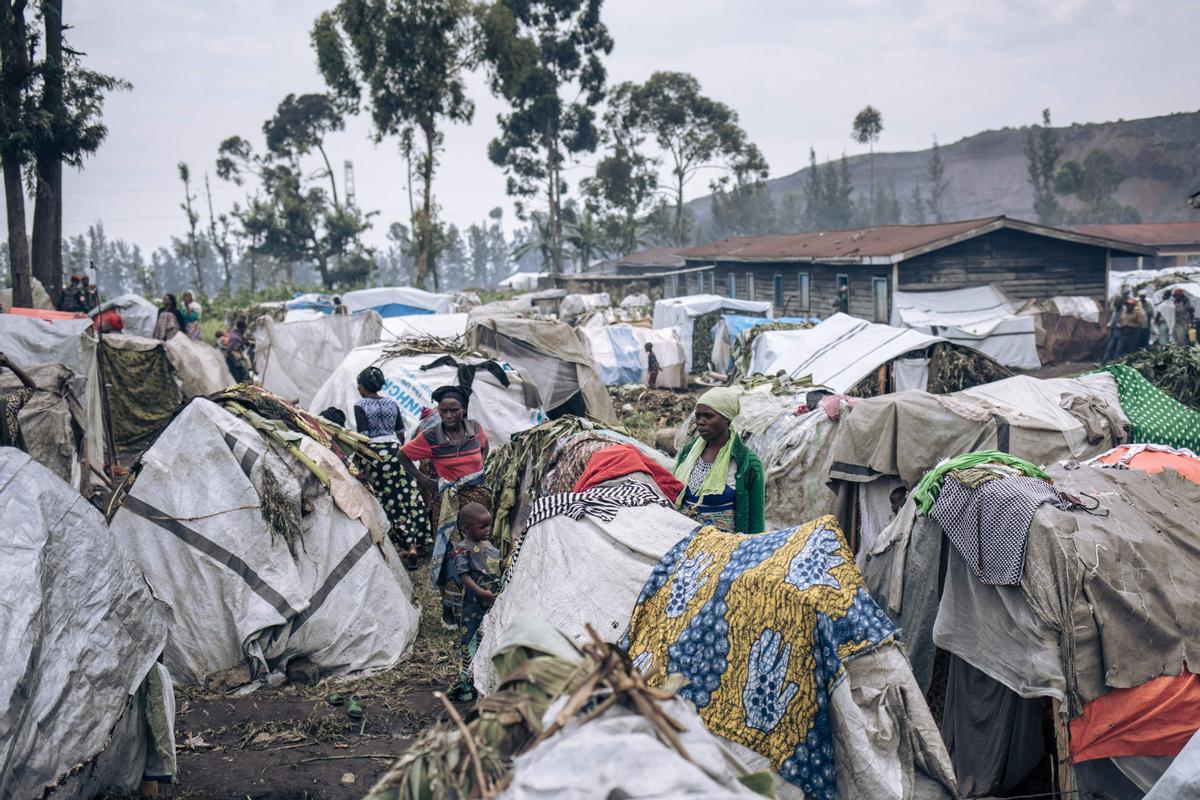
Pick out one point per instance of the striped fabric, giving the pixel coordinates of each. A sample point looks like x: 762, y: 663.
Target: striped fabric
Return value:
x: 451, y: 461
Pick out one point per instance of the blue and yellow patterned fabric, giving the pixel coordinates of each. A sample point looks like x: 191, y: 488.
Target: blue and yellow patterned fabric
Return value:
x: 760, y: 627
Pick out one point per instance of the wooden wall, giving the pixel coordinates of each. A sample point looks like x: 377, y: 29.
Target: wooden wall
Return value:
x: 822, y: 286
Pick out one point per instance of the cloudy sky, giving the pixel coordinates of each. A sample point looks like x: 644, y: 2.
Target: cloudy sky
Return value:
x: 796, y: 72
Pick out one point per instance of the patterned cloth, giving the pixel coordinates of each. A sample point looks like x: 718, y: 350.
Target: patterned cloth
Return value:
x: 760, y: 626
x: 482, y: 563
x: 710, y: 509
x: 989, y: 524
x: 1157, y: 417
x: 10, y: 426
x: 451, y: 461
x: 378, y: 418
x: 400, y: 495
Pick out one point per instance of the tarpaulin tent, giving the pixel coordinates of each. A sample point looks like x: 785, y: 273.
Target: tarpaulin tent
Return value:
x: 199, y: 367
x: 839, y: 352
x: 83, y: 705
x: 981, y: 317
x: 138, y: 315
x: 259, y: 562
x: 552, y: 356
x: 522, y: 281
x: 293, y: 359
x: 619, y: 352
x: 416, y: 326
x: 41, y: 299
x: 49, y: 421
x: 702, y: 309
x: 727, y: 329
x: 141, y: 392
x: 574, y: 305
x: 396, y: 301
x: 410, y: 381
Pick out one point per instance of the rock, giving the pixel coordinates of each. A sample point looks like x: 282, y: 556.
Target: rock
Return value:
x: 276, y: 679
x: 664, y: 440
x: 303, y: 671
x: 348, y: 778
x: 229, y: 679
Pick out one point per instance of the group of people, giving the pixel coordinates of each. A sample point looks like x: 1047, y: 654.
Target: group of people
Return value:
x: 78, y: 296
x: 178, y: 316
x: 723, y: 485
x: 1135, y: 323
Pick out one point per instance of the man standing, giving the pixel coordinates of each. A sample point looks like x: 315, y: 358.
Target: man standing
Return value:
x: 90, y: 297
x: 1114, y: 334
x: 651, y: 366
x: 1130, y: 325
x: 71, y: 297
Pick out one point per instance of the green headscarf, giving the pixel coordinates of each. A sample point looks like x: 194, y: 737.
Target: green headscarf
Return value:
x: 728, y: 404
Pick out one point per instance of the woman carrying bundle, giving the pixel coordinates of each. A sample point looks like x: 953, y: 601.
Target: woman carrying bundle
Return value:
x: 722, y: 478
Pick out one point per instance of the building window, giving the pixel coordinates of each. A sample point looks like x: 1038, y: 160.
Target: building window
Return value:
x: 803, y: 291
x: 749, y: 285
x: 778, y: 290
x: 732, y: 285
x: 879, y: 296
x: 712, y: 282
x: 841, y: 300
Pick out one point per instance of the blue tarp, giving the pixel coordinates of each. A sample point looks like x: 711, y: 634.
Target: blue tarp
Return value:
x: 397, y: 310
x: 626, y: 366
x: 736, y: 323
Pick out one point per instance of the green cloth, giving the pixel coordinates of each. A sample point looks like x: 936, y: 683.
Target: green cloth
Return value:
x: 1157, y: 417
x: 714, y: 481
x: 749, y: 483
x: 927, y: 491
x: 142, y: 395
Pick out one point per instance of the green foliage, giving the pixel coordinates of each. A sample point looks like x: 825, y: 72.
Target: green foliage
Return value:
x: 938, y: 185
x: 867, y: 126
x: 743, y: 210
x: 1093, y: 183
x: 828, y: 195
x: 1043, y: 152
x: 544, y: 61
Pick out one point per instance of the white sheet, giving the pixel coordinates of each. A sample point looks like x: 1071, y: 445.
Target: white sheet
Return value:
x: 981, y: 317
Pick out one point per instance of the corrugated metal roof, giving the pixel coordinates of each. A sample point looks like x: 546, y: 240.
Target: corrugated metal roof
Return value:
x: 881, y: 242
x: 653, y: 257
x: 1154, y: 234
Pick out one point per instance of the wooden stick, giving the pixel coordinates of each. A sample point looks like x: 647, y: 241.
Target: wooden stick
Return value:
x: 1064, y: 772
x: 470, y: 742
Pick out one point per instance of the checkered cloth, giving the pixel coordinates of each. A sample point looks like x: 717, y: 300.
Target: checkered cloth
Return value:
x: 989, y: 525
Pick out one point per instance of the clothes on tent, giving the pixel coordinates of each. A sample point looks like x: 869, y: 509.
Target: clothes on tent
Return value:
x: 1157, y: 417
x: 616, y: 461
x: 602, y: 502
x: 452, y: 461
x: 926, y: 493
x: 761, y: 627
x: 573, y: 459
x: 141, y: 391
x: 987, y: 518
x: 748, y: 484
x: 1156, y: 718
x: 400, y: 495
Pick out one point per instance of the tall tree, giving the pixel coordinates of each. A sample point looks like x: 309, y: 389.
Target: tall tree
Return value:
x: 937, y: 184
x: 193, y: 248
x: 866, y: 129
x: 814, y: 194
x: 300, y: 126
x: 696, y: 133
x: 1094, y: 182
x: 918, y: 206
x: 220, y: 239
x: 1043, y: 152
x: 543, y: 60
x: 16, y: 75
x: 406, y: 61
x: 625, y: 180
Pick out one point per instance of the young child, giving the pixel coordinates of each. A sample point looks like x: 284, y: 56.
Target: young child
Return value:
x: 475, y: 564
x: 651, y: 366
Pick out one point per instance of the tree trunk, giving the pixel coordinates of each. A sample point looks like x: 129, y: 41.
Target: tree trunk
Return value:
x: 47, y: 209
x: 221, y: 248
x: 871, y: 163
x: 18, y: 243
x: 429, y: 267
x: 14, y: 52
x: 332, y: 181
x: 679, y: 213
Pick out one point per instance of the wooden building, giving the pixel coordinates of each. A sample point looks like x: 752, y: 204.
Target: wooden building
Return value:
x: 1175, y: 243
x: 801, y: 273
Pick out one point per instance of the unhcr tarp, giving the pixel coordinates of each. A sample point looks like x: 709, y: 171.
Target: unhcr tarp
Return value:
x: 619, y: 352
x: 502, y: 410
x: 699, y: 309
x: 417, y: 326
x: 80, y: 632
x: 839, y: 352
x: 206, y: 520
x: 396, y: 301
x: 551, y: 354
x: 293, y: 359
x: 138, y: 315
x: 980, y: 317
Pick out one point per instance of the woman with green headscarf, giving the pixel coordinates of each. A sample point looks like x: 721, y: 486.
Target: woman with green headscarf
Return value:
x: 722, y: 480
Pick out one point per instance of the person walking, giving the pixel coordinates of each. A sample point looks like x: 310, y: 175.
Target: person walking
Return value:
x: 651, y: 366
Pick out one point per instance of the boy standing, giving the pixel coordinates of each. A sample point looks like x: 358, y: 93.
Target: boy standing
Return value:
x: 475, y: 564
x: 651, y: 366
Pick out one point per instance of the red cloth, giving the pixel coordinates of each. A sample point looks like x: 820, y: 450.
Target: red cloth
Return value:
x: 625, y: 459
x: 1154, y: 719
x: 115, y: 323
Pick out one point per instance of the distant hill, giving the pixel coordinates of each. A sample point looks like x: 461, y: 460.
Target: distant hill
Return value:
x: 987, y: 172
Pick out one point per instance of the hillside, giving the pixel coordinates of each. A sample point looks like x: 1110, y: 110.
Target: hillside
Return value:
x: 1160, y: 157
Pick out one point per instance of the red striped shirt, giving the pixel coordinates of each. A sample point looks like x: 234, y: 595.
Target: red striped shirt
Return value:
x: 450, y: 461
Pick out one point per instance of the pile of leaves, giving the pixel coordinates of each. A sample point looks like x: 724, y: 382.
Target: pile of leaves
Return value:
x: 1173, y: 368
x: 650, y: 409
x: 953, y: 369
x: 428, y: 345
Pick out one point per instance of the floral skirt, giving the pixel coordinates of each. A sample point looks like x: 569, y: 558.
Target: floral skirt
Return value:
x: 400, y: 496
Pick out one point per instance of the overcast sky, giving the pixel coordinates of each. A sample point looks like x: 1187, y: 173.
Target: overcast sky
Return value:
x: 795, y: 71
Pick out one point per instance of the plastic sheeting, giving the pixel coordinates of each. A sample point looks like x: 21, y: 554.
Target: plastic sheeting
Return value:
x: 522, y: 281
x: 293, y: 359
x: 575, y: 304
x: 238, y: 592
x: 981, y: 317
x: 619, y: 352
x: 416, y: 326
x: 80, y: 631
x: 200, y: 368
x: 1082, y: 307
x: 838, y: 353
x: 138, y: 314
x: 681, y: 312
x: 730, y: 326
x: 1182, y: 778
x: 575, y: 572
x: 501, y: 410
x: 396, y: 301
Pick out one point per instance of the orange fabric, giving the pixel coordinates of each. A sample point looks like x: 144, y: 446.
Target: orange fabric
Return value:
x: 1154, y: 719
x: 41, y: 313
x: 625, y: 459
x: 1157, y: 461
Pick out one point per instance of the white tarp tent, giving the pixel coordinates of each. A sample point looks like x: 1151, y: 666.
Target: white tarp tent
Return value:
x: 200, y: 368
x: 241, y: 592
x: 837, y: 353
x: 397, y: 301
x: 293, y: 359
x: 981, y: 317
x: 502, y: 410
x: 1117, y: 281
x: 575, y: 304
x: 138, y: 314
x: 415, y: 326
x: 80, y: 632
x: 682, y: 311
x: 522, y: 281
x: 619, y: 352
